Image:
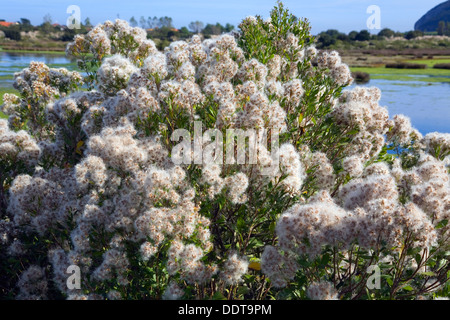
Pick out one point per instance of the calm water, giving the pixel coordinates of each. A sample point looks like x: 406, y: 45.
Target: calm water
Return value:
x: 427, y: 104
x: 11, y: 62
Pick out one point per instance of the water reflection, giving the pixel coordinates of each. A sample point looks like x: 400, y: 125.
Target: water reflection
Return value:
x: 26, y: 58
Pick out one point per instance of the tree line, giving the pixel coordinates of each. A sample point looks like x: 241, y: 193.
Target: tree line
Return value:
x: 163, y: 30
x: 160, y: 28
x: 46, y: 28
x: 330, y: 37
x: 443, y: 28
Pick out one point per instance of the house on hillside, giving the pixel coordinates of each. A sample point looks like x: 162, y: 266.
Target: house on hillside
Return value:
x: 7, y: 24
x: 59, y: 26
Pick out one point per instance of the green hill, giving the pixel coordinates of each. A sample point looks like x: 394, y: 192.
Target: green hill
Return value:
x: 429, y: 22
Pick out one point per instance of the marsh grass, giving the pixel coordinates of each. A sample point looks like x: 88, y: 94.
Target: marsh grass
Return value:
x: 61, y: 53
x: 427, y: 75
x: 406, y: 65
x: 430, y: 62
x: 442, y: 66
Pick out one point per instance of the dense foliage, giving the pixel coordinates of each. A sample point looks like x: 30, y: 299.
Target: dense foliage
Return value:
x: 91, y: 174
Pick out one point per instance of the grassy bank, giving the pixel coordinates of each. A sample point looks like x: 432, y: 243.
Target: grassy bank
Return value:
x: 34, y: 45
x: 430, y: 62
x: 426, y: 43
x: 426, y: 75
x: 6, y: 77
x: 32, y: 51
x: 375, y: 65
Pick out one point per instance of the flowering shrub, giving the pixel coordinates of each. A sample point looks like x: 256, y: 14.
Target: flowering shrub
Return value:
x: 91, y: 176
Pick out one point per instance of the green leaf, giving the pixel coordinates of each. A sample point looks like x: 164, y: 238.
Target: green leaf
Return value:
x: 241, y: 224
x: 218, y: 296
x: 418, y: 258
x: 325, y: 259
x: 303, y: 262
x: 408, y: 288
x: 242, y: 290
x: 300, y: 118
x: 388, y: 279
x: 442, y: 224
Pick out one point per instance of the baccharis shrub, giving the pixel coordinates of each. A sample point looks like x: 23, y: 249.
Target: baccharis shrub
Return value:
x: 90, y: 176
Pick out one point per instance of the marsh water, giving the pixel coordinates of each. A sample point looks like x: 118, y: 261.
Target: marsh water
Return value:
x: 11, y: 62
x: 426, y: 103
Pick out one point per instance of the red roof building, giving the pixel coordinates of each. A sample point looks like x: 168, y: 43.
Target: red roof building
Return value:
x: 6, y: 24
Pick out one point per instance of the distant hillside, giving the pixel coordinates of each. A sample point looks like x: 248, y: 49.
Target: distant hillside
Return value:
x: 429, y: 22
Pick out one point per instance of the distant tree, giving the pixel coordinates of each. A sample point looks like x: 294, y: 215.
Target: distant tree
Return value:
x: 211, y: 29
x: 171, y: 33
x: 363, y: 35
x: 442, y: 28
x: 196, y: 26
x: 133, y: 22
x: 165, y: 22
x: 342, y: 37
x: 25, y: 22
x: 87, y: 23
x: 332, y: 33
x: 153, y: 23
x: 330, y: 37
x: 413, y: 34
x: 352, y: 35
x: 386, y: 32
x: 229, y: 27
x: 25, y: 25
x: 12, y: 34
x: 325, y: 40
x: 143, y: 22
x: 46, y: 26
x: 68, y: 34
x: 184, y: 33
x: 48, y: 18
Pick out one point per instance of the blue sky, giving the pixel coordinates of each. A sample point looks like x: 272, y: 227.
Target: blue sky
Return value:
x: 344, y: 15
